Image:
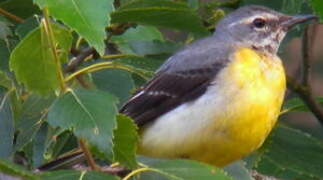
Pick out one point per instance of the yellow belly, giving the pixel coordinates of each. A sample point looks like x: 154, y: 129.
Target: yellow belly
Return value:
x: 252, y: 88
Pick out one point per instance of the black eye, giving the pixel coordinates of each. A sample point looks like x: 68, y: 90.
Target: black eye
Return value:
x: 259, y: 23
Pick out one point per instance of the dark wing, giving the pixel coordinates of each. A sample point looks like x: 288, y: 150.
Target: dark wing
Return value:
x: 167, y: 90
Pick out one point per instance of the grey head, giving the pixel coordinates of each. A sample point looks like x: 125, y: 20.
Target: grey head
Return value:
x: 257, y: 27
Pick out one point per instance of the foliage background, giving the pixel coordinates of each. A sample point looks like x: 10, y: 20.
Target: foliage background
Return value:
x: 67, y: 65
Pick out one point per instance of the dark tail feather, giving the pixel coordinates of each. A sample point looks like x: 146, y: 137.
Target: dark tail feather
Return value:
x: 66, y: 161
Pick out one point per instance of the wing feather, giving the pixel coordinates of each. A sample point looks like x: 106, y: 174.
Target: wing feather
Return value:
x: 167, y: 90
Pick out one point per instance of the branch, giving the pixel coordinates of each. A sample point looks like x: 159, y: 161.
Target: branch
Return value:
x: 307, y: 97
x: 258, y: 176
x: 78, y: 60
x: 11, y: 16
x: 88, y: 156
x: 304, y: 89
x: 307, y: 50
x: 112, y: 170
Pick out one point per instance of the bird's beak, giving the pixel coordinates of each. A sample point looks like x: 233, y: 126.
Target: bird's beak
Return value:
x: 290, y: 21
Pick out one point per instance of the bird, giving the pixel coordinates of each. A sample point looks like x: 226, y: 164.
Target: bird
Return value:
x: 217, y: 99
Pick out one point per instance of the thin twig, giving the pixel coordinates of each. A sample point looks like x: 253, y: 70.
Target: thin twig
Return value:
x: 304, y: 89
x: 257, y: 176
x: 104, y: 65
x: 307, y: 49
x: 11, y: 16
x: 112, y: 170
x: 307, y: 97
x: 78, y: 60
x: 307, y: 52
x: 88, y: 156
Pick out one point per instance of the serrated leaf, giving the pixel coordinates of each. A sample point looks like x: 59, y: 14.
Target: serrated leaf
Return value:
x: 90, y: 114
x: 87, y: 18
x: 76, y: 175
x: 297, y: 105
x: 290, y: 154
x: 33, y: 62
x: 125, y: 142
x: 317, y: 6
x: 12, y: 169
x: 184, y: 170
x: 160, y: 13
x: 32, y: 114
x: 144, y: 48
x: 117, y: 82
x: 138, y: 33
x: 6, y: 125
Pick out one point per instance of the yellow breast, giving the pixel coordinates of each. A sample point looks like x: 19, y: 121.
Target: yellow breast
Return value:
x: 254, y: 87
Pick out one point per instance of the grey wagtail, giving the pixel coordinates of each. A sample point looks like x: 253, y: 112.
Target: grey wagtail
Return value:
x: 217, y: 99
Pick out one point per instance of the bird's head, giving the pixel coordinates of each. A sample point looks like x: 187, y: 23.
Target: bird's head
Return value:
x: 258, y: 27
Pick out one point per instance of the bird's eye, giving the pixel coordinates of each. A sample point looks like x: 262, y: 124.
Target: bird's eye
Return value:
x: 259, y: 23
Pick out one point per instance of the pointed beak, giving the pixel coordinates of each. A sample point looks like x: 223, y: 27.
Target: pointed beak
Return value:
x: 290, y: 21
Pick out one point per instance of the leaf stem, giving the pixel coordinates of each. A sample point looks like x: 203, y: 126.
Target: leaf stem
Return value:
x: 103, y: 65
x: 137, y: 171
x: 116, y: 56
x: 11, y: 16
x: 50, y: 34
x: 88, y: 156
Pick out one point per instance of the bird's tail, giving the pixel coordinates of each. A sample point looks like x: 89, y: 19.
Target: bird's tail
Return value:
x: 65, y: 161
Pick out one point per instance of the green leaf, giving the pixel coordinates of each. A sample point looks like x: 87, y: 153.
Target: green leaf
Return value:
x: 87, y: 18
x: 292, y: 6
x: 39, y: 145
x: 6, y: 125
x: 5, y: 81
x: 184, y: 170
x: 125, y: 142
x: 143, y: 48
x: 317, y: 6
x: 290, y: 154
x: 194, y: 4
x: 138, y: 33
x: 15, y: 170
x: 6, y: 47
x: 116, y: 81
x: 20, y: 8
x: 33, y: 62
x: 76, y: 175
x: 90, y: 114
x: 23, y: 29
x: 5, y: 30
x: 142, y: 63
x: 31, y: 118
x: 160, y: 13
x: 297, y: 105
x: 238, y: 171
